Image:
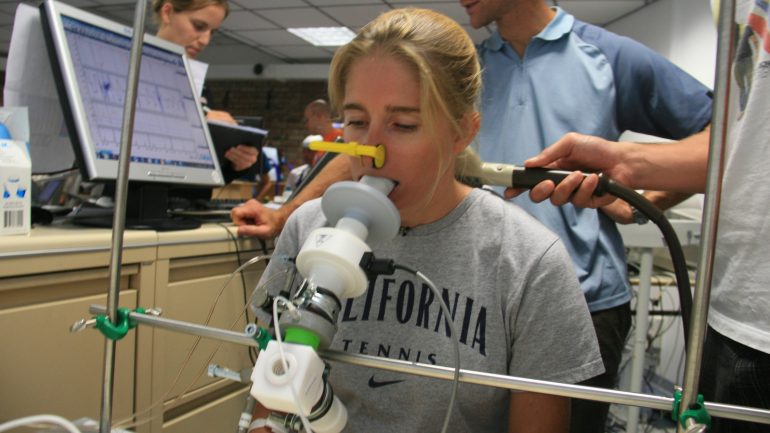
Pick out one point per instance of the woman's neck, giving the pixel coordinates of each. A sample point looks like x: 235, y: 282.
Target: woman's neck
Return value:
x: 445, y: 200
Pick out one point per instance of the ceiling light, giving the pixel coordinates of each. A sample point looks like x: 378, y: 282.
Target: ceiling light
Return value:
x: 324, y: 36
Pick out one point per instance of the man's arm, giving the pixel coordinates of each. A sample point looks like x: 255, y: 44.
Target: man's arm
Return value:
x: 677, y: 166
x: 538, y: 413
x: 254, y: 219
x: 263, y: 187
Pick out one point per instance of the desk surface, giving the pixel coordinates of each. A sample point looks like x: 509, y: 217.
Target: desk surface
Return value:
x: 32, y: 253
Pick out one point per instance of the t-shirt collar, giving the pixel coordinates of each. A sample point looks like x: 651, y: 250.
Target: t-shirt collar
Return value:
x: 560, y: 25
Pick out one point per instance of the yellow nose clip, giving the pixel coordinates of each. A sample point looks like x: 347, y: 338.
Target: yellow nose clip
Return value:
x: 377, y: 153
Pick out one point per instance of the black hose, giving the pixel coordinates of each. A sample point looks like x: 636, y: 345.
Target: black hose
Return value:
x: 529, y: 177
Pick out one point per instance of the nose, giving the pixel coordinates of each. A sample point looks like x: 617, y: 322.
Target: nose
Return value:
x: 374, y: 137
x: 205, y: 38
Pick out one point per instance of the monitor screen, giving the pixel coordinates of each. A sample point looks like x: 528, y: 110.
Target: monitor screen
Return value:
x: 271, y: 153
x: 90, y: 58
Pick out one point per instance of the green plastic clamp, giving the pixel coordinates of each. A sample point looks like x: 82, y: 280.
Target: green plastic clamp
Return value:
x: 121, y: 326
x: 697, y: 411
x: 302, y: 336
x: 262, y: 337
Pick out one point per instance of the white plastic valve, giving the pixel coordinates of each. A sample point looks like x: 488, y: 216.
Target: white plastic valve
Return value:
x: 361, y: 212
x: 270, y: 383
x: 333, y: 421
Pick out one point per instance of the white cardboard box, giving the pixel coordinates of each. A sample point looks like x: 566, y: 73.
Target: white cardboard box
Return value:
x: 15, y: 173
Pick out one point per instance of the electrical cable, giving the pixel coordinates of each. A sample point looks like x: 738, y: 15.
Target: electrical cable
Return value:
x: 528, y: 178
x: 252, y: 350
x: 472, y: 171
x: 56, y: 172
x: 36, y: 419
x: 455, y: 340
x: 279, y: 340
x: 133, y: 419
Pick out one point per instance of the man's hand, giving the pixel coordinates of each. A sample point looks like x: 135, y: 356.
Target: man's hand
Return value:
x: 575, y: 188
x: 256, y: 220
x: 242, y: 156
x: 585, y: 152
x: 578, y: 152
x: 620, y: 211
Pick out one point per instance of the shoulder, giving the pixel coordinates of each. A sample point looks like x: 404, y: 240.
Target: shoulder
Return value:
x: 304, y: 219
x: 507, y: 222
x: 623, y: 53
x: 610, y: 43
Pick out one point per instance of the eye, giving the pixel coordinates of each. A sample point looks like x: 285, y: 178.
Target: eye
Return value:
x: 354, y: 123
x: 200, y: 26
x: 405, y: 127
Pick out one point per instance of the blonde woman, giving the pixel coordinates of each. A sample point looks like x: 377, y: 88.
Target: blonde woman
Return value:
x: 410, y: 81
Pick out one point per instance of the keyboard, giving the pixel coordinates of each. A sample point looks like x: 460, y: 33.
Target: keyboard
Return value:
x: 217, y: 204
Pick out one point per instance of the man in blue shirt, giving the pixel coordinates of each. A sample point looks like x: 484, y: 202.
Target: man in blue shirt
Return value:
x: 547, y: 74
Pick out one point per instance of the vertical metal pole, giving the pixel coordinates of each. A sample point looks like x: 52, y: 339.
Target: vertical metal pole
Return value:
x: 119, y: 218
x: 719, y: 124
x: 640, y: 335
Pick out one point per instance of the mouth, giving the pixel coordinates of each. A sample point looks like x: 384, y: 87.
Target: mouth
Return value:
x: 395, y: 182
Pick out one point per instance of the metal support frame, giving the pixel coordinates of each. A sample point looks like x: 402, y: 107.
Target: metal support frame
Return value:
x: 718, y: 138
x: 119, y: 216
x: 640, y: 335
x: 466, y: 376
x: 701, y: 299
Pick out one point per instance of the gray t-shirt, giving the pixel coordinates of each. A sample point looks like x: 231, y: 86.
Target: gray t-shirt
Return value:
x: 515, y: 301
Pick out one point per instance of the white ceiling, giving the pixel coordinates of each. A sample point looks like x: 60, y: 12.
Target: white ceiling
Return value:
x: 255, y: 30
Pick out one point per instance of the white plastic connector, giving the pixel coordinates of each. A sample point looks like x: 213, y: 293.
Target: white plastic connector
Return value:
x: 361, y: 213
x: 333, y: 421
x: 330, y: 259
x: 270, y: 384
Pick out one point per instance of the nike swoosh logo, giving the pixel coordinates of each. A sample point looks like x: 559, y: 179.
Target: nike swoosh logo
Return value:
x: 376, y: 383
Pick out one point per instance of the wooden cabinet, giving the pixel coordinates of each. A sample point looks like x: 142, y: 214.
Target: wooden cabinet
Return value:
x: 49, y: 279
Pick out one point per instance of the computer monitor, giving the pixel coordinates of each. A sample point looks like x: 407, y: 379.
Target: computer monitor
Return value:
x: 171, y: 143
x: 274, y: 160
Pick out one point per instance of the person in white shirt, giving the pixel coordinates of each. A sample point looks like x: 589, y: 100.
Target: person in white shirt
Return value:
x: 299, y: 173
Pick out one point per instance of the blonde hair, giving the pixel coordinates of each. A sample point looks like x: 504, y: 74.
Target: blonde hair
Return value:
x: 187, y: 5
x: 439, y: 51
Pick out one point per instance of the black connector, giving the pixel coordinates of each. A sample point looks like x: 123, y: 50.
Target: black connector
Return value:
x: 529, y: 177
x: 373, y: 267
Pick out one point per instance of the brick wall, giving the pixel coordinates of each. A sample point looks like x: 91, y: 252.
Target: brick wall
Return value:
x: 280, y: 103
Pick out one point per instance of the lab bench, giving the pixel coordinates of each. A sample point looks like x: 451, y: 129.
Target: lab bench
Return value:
x: 48, y: 280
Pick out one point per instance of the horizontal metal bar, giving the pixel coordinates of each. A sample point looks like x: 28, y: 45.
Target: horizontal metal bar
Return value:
x: 185, y: 327
x: 466, y: 376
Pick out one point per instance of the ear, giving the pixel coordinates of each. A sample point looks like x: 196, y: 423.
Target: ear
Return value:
x: 469, y: 127
x: 165, y: 13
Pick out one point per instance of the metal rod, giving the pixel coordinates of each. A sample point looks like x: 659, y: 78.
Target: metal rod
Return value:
x: 543, y: 387
x: 466, y: 376
x: 640, y: 335
x: 119, y: 215
x: 185, y: 327
x: 717, y: 142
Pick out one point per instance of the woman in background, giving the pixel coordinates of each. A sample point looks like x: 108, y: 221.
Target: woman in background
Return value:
x: 191, y: 23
